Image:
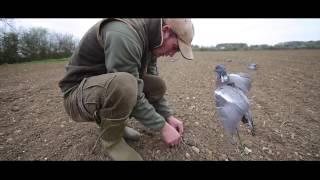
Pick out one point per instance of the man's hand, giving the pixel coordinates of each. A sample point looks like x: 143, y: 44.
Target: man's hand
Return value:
x: 170, y: 135
x: 177, y: 124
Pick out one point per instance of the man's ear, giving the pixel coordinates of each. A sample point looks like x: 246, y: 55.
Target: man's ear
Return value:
x: 166, y: 27
x: 166, y: 31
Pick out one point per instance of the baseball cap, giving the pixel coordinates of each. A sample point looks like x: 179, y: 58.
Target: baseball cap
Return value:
x: 185, y: 32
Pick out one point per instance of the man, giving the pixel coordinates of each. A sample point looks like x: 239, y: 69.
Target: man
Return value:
x: 113, y: 76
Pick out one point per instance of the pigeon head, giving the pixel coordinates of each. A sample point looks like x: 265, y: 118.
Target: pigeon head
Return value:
x: 221, y: 73
x: 220, y: 69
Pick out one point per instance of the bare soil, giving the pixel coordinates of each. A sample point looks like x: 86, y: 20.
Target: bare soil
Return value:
x: 285, y: 101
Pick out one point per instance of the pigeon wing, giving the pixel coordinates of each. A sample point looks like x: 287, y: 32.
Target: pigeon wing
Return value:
x: 231, y: 106
x: 241, y: 81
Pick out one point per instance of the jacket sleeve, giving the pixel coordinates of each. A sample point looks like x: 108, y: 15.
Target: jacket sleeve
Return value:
x: 161, y: 106
x: 123, y: 53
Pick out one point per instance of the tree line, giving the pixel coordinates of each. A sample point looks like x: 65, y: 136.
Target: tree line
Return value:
x: 29, y: 44
x: 244, y: 46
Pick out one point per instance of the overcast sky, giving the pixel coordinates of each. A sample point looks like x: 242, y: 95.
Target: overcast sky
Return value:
x: 210, y: 32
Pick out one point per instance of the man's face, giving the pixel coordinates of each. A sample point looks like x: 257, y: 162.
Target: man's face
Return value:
x: 170, y: 44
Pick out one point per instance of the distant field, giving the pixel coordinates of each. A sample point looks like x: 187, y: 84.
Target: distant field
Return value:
x: 284, y: 97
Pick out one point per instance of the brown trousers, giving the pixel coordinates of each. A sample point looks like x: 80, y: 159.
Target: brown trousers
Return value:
x: 110, y: 96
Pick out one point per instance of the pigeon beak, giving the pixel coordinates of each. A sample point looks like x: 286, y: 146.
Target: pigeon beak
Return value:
x: 224, y: 78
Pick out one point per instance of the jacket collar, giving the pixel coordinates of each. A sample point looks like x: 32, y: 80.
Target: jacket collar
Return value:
x: 154, y: 32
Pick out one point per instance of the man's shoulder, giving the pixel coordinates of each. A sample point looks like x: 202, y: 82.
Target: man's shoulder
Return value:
x: 120, y: 27
x: 122, y: 31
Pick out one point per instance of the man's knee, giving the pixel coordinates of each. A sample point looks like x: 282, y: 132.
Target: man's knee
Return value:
x: 154, y: 87
x: 126, y: 88
x: 115, y: 94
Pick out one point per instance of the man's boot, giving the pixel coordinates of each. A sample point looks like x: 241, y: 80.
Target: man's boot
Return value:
x: 131, y: 134
x: 114, y: 144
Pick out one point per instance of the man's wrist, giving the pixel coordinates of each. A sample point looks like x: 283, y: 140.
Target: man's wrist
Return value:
x: 169, y: 118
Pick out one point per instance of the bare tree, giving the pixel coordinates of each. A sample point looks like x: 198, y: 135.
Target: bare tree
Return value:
x: 9, y: 51
x: 32, y: 44
x: 6, y: 25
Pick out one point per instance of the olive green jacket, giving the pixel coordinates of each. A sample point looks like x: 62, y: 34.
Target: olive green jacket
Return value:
x: 120, y: 45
